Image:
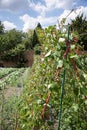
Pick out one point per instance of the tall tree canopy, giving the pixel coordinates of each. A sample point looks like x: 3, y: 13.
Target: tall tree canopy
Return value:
x: 1, y: 28
x: 10, y: 39
x: 80, y: 25
x: 39, y: 26
x: 35, y: 40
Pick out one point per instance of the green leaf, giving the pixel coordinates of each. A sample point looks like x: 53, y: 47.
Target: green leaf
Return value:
x: 83, y: 91
x: 53, y: 86
x: 76, y: 90
x: 72, y: 47
x: 75, y: 107
x: 60, y: 64
x: 74, y: 56
x: 86, y: 102
x: 48, y: 54
x: 38, y: 101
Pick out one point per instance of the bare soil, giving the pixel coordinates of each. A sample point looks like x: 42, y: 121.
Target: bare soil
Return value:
x: 10, y: 91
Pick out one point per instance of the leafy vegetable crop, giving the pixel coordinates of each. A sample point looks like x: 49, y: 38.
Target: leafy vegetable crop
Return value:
x: 12, y: 77
x: 11, y: 86
x: 39, y: 106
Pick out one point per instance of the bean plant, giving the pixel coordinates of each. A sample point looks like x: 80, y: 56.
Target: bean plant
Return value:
x: 39, y: 106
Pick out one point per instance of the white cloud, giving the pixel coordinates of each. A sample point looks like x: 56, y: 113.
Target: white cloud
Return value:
x: 42, y: 9
x: 13, y: 5
x: 64, y: 4
x: 31, y: 22
x: 73, y: 15
x: 9, y: 25
x: 36, y: 5
x: 39, y: 7
x: 52, y: 4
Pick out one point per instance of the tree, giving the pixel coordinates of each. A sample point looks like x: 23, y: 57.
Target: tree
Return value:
x: 4, y: 43
x: 1, y: 28
x: 39, y: 26
x: 10, y: 39
x: 11, y: 46
x: 35, y: 40
x: 80, y: 25
x: 15, y: 36
x: 28, y: 39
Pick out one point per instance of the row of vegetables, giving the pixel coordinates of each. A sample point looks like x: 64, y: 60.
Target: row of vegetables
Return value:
x: 5, y: 71
x: 10, y: 76
x: 11, y: 85
x: 54, y: 96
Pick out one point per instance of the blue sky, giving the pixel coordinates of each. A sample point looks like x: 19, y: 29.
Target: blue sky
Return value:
x: 25, y: 14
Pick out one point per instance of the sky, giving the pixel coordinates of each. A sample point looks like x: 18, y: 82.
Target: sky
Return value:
x: 25, y: 14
